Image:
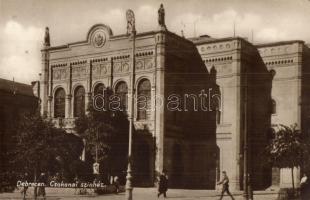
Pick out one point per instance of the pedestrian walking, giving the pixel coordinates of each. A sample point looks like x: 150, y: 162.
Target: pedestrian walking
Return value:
x: 77, y: 184
x: 25, y: 188
x: 163, y: 184
x: 304, y: 187
x: 42, y: 179
x: 225, y: 185
x: 116, y: 184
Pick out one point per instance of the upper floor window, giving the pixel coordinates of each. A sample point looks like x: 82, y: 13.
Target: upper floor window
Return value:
x: 99, y: 96
x: 144, y: 100
x: 59, y: 103
x: 79, y: 101
x: 121, y: 90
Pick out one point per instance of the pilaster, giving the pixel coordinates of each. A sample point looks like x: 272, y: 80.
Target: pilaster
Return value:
x: 159, y: 101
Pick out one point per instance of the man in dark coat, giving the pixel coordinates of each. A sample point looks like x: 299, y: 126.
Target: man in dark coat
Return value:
x: 163, y: 184
x: 42, y: 179
x: 225, y: 183
x: 25, y: 188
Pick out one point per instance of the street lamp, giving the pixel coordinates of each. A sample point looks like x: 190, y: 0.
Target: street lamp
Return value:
x: 132, y: 31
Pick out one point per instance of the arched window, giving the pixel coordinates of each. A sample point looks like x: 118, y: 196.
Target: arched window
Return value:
x: 121, y: 90
x: 79, y: 101
x: 273, y: 106
x: 144, y: 100
x: 59, y: 103
x: 99, y: 96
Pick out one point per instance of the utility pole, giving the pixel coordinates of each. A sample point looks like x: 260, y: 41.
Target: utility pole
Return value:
x: 132, y: 31
x: 234, y: 28
x: 195, y: 27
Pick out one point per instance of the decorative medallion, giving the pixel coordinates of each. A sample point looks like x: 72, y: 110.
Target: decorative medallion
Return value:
x: 149, y: 64
x: 139, y: 65
x: 118, y: 67
x: 99, y: 38
x: 125, y: 67
x: 57, y: 75
x: 96, y: 70
x: 103, y: 69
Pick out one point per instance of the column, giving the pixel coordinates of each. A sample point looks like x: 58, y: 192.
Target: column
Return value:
x: 88, y: 101
x: 68, y: 106
x: 49, y: 106
x: 88, y: 95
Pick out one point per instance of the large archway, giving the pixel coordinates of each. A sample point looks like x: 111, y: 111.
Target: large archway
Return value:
x: 143, y: 159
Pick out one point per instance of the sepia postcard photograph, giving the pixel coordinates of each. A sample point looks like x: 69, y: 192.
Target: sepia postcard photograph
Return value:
x: 155, y: 99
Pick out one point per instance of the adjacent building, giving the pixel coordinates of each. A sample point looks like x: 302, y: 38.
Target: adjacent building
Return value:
x: 16, y: 99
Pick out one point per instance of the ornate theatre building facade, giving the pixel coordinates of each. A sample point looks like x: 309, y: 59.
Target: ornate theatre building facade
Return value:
x: 258, y: 85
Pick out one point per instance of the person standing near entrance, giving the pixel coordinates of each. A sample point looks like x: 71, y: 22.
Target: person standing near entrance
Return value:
x: 163, y: 184
x: 225, y: 185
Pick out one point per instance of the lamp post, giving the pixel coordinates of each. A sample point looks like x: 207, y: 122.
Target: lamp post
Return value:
x: 132, y: 31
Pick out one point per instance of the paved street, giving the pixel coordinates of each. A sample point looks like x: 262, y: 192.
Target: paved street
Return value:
x: 139, y: 194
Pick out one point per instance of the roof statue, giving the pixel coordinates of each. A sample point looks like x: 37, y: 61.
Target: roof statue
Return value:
x: 47, y: 38
x: 161, y: 17
x: 130, y: 16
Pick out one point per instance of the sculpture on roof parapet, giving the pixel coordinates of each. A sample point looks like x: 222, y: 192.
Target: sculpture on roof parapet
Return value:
x: 47, y: 38
x: 161, y: 17
x: 130, y: 16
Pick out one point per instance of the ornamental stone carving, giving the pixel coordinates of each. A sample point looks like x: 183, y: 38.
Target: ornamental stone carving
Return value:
x: 78, y: 71
x: 99, y: 70
x: 118, y: 67
x: 103, y: 69
x: 60, y: 74
x: 149, y: 63
x: 125, y: 67
x: 99, y: 38
x: 96, y: 70
x: 139, y: 65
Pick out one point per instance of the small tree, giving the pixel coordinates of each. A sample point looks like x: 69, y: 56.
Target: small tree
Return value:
x: 39, y: 146
x: 287, y: 148
x: 107, y: 132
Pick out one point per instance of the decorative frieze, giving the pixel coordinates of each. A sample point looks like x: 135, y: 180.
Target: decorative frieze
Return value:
x: 59, y: 65
x: 78, y: 71
x: 279, y: 62
x: 218, y: 59
x: 276, y: 50
x: 60, y: 73
x: 120, y: 57
x: 145, y: 53
x: 145, y: 64
x: 99, y: 70
x: 140, y: 65
x: 149, y: 63
x: 121, y: 67
x: 214, y: 47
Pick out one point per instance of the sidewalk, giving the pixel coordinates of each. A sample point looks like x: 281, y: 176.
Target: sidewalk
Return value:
x: 139, y: 194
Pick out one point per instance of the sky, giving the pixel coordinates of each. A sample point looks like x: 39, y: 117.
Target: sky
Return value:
x: 22, y: 24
